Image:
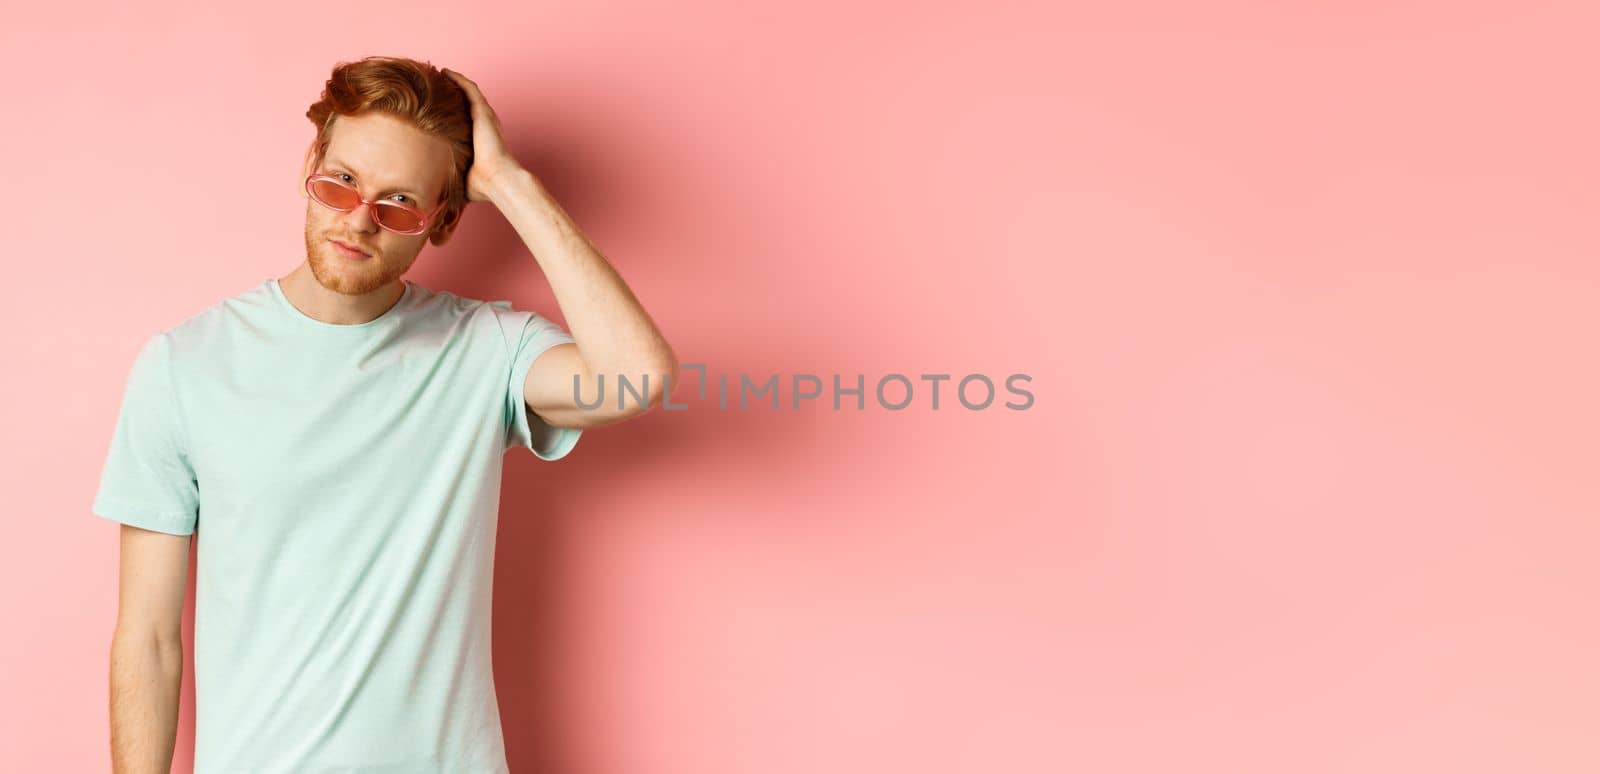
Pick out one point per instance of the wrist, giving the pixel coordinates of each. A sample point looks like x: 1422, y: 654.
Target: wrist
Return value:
x: 509, y: 182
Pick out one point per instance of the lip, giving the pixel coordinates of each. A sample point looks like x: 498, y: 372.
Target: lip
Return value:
x: 348, y: 251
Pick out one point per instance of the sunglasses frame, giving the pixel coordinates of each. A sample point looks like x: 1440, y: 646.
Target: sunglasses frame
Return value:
x: 427, y: 218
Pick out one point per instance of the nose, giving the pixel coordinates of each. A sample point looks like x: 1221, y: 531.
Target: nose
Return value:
x: 360, y: 219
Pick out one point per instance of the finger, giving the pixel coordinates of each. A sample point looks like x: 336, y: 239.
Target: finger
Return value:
x: 480, y: 104
x: 466, y: 83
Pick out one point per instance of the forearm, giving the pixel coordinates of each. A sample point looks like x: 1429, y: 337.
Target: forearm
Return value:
x: 614, y: 333
x: 146, y: 675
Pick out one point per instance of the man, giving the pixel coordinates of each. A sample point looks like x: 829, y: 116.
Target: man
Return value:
x: 333, y: 441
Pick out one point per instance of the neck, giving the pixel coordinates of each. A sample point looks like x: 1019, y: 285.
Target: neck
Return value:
x: 339, y: 305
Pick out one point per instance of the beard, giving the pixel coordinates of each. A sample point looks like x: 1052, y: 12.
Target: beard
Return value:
x: 342, y: 275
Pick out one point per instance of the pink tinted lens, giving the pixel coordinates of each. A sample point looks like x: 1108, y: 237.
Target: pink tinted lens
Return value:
x: 334, y: 195
x: 396, y: 217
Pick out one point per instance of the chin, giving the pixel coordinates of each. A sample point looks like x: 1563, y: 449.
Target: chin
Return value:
x: 351, y: 279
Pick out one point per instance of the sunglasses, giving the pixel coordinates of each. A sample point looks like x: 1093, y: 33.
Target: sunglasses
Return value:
x: 336, y: 194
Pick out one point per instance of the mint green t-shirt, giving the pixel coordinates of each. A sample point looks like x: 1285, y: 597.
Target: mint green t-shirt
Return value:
x: 343, y: 485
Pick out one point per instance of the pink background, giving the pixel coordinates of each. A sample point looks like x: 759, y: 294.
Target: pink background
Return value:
x: 1307, y: 292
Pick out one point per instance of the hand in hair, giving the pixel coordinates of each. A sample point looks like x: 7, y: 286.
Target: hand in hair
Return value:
x: 491, y: 160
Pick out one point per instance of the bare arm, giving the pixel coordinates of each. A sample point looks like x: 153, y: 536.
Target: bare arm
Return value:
x: 614, y: 336
x: 147, y: 650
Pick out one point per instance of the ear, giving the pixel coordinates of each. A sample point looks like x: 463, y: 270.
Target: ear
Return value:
x: 306, y: 165
x: 446, y: 226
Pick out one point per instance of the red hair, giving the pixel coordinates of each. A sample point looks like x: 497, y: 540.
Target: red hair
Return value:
x: 415, y: 92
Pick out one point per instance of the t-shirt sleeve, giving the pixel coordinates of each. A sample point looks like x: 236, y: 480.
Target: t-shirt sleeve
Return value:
x: 528, y: 335
x: 147, y: 480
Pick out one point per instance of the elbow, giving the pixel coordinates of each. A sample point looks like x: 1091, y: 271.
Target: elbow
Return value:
x: 660, y: 373
x: 634, y: 395
x: 167, y: 635
x: 156, y: 647
x: 666, y: 371
x: 663, y: 374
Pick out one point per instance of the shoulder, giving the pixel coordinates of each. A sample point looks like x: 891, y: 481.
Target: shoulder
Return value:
x: 502, y: 313
x: 428, y: 302
x: 212, y: 325
x: 453, y: 315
